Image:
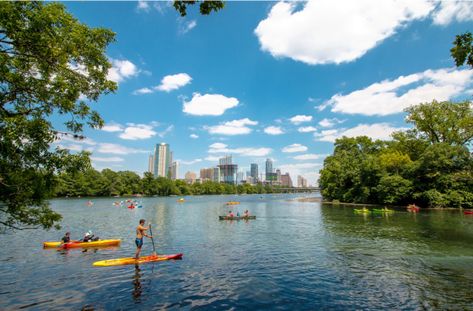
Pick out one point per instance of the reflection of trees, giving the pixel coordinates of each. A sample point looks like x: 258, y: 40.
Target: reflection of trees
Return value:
x: 422, y: 260
x: 137, y: 289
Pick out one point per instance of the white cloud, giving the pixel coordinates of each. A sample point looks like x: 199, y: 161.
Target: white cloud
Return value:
x: 169, y: 129
x: 245, y: 151
x: 306, y: 129
x: 143, y: 6
x: 173, y: 82
x: 194, y: 136
x: 309, y: 170
x: 69, y: 138
x: 190, y: 162
x: 300, y: 119
x: 121, y: 70
x: 107, y: 159
x: 212, y: 158
x: 393, y: 96
x: 137, y: 131
x: 326, y: 31
x: 235, y: 127
x: 144, y: 90
x: 294, y: 148
x: 309, y: 156
x: 453, y: 10
x: 117, y: 149
x: 209, y: 104
x: 375, y: 131
x: 185, y: 27
x: 329, y: 122
x: 274, y: 130
x: 71, y: 147
x: 112, y: 127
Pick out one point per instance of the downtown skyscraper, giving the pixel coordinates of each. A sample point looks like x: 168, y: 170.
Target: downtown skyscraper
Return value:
x: 162, y: 160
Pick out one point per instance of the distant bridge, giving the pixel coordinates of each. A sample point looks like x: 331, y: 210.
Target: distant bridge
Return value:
x: 299, y: 190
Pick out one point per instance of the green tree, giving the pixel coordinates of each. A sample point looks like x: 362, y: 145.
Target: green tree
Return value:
x: 462, y: 50
x: 205, y: 7
x: 48, y: 61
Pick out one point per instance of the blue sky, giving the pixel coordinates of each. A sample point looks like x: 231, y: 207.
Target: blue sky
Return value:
x: 267, y: 79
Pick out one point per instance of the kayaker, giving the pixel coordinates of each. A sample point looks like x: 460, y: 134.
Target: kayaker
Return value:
x: 140, y: 232
x: 230, y: 214
x: 66, y: 238
x: 238, y: 214
x: 89, y: 237
x: 246, y: 214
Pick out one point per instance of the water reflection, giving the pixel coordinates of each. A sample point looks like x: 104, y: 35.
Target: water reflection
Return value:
x: 137, y: 289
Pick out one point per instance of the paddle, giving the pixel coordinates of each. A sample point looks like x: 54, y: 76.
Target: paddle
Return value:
x: 152, y: 240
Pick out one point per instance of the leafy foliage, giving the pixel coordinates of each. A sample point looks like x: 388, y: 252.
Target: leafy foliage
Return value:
x: 430, y: 165
x: 49, y: 61
x: 462, y: 51
x: 205, y: 7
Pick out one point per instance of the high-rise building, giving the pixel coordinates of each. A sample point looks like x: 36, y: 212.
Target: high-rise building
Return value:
x: 254, y: 171
x: 174, y: 170
x: 241, y: 177
x: 227, y: 169
x: 162, y: 160
x: 151, y: 164
x: 269, y: 169
x: 286, y: 180
x: 278, y: 175
x: 301, y: 182
x: 212, y: 174
x: 190, y: 177
x: 216, y: 174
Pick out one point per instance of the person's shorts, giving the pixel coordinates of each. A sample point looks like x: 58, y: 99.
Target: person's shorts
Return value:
x: 139, y: 242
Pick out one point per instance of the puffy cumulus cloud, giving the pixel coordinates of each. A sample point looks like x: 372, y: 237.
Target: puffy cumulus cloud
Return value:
x: 190, y: 162
x: 306, y: 129
x: 235, y: 127
x: 107, y: 159
x: 112, y: 127
x: 109, y: 148
x: 309, y: 156
x: 121, y: 70
x: 453, y: 10
x: 329, y: 122
x: 375, y: 131
x: 294, y: 148
x: 273, y: 130
x: 300, y: 119
x: 209, y: 104
x: 173, y: 82
x: 393, y: 96
x: 143, y: 6
x: 194, y: 136
x: 326, y: 31
x: 245, y: 151
x: 61, y: 138
x: 137, y: 131
x: 144, y: 90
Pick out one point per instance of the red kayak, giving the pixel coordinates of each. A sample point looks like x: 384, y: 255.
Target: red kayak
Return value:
x: 468, y: 212
x: 131, y: 207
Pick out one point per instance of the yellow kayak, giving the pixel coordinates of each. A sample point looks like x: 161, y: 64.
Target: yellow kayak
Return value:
x: 133, y: 261
x: 232, y: 203
x: 78, y: 244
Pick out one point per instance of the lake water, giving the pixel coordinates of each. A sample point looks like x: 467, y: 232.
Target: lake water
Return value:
x: 294, y: 256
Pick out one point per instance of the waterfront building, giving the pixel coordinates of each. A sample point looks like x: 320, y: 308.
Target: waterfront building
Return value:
x: 269, y: 169
x: 301, y: 182
x: 278, y: 175
x: 227, y: 170
x: 216, y: 174
x: 162, y: 160
x: 286, y: 180
x: 190, y: 177
x: 212, y: 174
x: 174, y: 170
x: 254, y: 171
x: 151, y: 164
x: 241, y: 177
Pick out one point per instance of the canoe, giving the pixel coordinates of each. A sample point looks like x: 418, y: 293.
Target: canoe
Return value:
x: 77, y: 244
x: 133, y: 261
x: 236, y: 217
x: 468, y: 212
x: 382, y: 210
x: 361, y: 211
x: 232, y: 203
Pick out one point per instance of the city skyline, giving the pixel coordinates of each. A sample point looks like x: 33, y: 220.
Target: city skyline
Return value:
x: 267, y: 102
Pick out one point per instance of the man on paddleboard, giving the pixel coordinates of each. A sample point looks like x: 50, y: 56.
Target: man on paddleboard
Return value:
x: 140, y: 232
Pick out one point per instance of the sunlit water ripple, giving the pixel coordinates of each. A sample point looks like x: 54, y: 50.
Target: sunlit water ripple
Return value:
x: 294, y: 256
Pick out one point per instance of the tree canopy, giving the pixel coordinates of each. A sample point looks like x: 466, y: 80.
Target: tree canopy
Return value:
x: 50, y: 65
x: 462, y: 50
x: 205, y: 7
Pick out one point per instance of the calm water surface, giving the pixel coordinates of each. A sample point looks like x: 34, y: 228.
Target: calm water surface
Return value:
x: 295, y: 256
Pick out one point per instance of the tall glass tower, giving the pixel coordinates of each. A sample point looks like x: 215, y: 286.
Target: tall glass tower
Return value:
x: 254, y: 171
x: 269, y: 168
x: 162, y: 160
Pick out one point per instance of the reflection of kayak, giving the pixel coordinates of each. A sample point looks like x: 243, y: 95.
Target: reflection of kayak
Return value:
x: 181, y: 200
x: 77, y: 244
x: 236, y: 217
x: 361, y: 211
x: 133, y: 261
x: 468, y: 212
x: 383, y: 210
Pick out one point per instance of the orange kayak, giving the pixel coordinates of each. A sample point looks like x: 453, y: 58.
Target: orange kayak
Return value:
x: 133, y: 261
x: 78, y: 244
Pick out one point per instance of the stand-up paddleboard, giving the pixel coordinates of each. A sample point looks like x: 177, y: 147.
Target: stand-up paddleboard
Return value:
x: 133, y: 261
